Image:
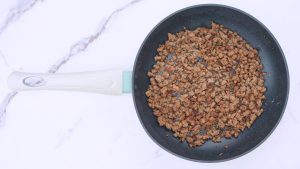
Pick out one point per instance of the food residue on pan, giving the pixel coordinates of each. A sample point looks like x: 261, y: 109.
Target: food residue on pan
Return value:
x: 206, y: 84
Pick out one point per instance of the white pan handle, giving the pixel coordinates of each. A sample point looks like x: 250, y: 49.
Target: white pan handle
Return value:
x: 105, y: 82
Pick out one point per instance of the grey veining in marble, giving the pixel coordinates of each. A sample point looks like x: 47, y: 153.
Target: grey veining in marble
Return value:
x: 9, y: 96
x: 16, y: 12
x: 65, y: 136
x: 83, y: 44
x: 4, y: 60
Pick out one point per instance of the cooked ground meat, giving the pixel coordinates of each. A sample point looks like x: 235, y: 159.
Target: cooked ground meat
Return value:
x: 206, y: 84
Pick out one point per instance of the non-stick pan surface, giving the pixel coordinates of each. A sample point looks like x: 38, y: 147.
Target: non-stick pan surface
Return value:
x: 276, y: 81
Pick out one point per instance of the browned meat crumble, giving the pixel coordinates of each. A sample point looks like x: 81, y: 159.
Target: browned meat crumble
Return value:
x: 206, y: 84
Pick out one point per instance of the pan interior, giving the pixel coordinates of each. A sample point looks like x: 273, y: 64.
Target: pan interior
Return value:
x: 276, y: 80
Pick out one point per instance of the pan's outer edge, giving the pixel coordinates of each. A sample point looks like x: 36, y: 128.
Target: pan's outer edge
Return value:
x: 269, y: 32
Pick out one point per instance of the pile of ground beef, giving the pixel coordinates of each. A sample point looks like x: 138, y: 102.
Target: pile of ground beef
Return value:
x: 206, y: 84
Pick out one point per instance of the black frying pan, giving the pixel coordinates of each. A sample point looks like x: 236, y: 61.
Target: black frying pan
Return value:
x: 276, y: 81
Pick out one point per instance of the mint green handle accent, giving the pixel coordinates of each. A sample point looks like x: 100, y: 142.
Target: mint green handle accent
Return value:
x: 127, y: 82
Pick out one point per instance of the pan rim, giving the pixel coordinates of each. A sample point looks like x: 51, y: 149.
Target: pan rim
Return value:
x: 286, y: 69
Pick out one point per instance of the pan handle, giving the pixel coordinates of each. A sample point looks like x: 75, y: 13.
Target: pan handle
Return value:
x: 110, y: 82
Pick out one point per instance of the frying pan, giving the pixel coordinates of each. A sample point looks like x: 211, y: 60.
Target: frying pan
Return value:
x: 117, y: 82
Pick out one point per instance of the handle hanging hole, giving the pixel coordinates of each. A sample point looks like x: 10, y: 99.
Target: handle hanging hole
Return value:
x: 34, y: 81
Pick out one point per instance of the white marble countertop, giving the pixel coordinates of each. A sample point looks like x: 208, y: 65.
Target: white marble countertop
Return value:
x: 62, y: 130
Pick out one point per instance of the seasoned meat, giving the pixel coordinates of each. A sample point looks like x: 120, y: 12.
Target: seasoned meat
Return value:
x: 206, y: 84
